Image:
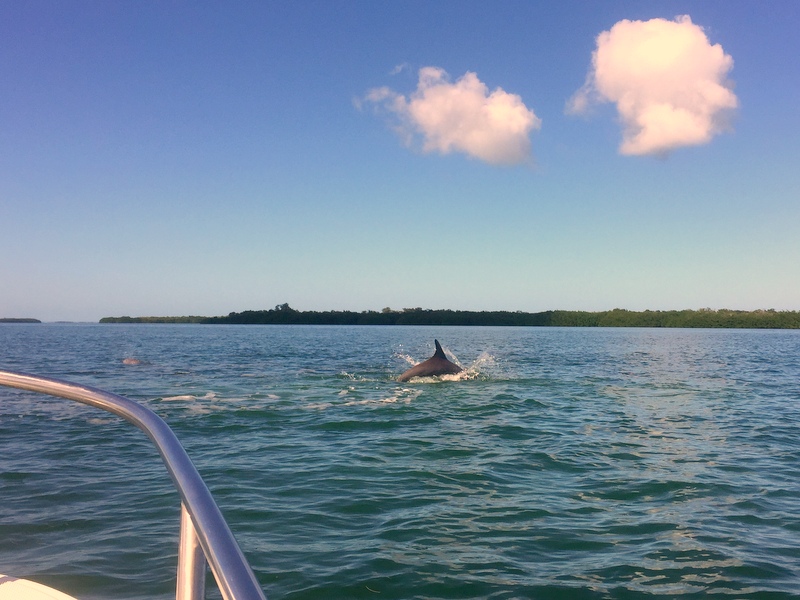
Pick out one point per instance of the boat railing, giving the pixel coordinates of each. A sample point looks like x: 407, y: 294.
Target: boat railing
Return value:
x: 205, y: 538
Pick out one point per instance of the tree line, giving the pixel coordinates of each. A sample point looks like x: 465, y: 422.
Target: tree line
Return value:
x: 18, y: 320
x: 283, y: 314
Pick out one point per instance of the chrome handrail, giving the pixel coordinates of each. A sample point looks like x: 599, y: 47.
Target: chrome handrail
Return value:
x: 205, y: 536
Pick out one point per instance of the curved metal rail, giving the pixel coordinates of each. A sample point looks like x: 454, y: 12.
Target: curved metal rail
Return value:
x: 205, y: 536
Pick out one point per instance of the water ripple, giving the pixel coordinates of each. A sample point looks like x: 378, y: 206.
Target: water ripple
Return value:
x: 574, y: 464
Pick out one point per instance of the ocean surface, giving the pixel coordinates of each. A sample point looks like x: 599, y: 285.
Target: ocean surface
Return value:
x: 562, y: 464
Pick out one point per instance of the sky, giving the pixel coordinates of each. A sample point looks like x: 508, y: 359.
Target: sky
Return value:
x: 199, y: 158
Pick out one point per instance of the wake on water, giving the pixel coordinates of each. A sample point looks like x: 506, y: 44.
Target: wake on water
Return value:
x: 360, y: 389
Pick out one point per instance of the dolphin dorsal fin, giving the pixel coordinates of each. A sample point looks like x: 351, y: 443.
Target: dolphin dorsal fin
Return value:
x: 439, y: 352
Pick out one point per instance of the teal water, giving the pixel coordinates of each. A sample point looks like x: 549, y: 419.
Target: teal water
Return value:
x: 565, y: 463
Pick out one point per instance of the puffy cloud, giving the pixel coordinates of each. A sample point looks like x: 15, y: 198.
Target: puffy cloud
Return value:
x: 461, y: 117
x: 400, y: 68
x: 667, y: 80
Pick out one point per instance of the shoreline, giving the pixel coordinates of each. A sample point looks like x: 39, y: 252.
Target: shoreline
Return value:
x: 703, y: 318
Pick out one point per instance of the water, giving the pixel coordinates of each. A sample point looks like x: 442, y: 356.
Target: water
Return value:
x: 565, y: 463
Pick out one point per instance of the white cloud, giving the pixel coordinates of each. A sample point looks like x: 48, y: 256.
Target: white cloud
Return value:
x: 461, y: 117
x: 668, y: 82
x: 400, y: 68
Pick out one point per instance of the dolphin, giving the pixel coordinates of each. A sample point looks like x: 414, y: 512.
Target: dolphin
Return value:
x: 435, y: 365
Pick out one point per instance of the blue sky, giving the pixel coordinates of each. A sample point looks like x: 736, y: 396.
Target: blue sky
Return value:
x: 176, y: 158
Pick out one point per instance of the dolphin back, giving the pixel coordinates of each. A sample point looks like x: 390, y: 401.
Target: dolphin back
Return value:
x: 435, y: 365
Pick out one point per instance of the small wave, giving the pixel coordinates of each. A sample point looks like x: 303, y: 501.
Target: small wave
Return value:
x: 186, y: 397
x: 404, y: 396
x: 399, y: 396
x: 354, y: 377
x: 319, y: 405
x: 189, y: 397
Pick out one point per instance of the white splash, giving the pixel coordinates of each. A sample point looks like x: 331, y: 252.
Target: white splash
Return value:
x: 189, y: 397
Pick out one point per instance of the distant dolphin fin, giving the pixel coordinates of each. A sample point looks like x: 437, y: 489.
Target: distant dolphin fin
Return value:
x: 439, y: 352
